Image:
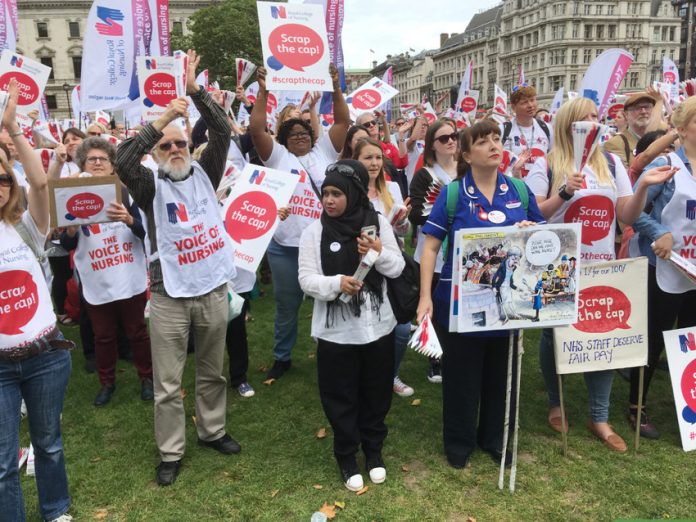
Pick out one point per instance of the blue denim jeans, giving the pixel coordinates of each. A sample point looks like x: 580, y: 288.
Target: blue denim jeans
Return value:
x: 598, y: 383
x: 288, y: 297
x: 402, y: 333
x: 41, y: 382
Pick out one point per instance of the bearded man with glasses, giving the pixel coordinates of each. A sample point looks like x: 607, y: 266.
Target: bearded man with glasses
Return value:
x: 191, y: 260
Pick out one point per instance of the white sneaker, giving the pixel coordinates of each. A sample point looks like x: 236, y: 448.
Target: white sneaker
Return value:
x: 63, y: 518
x: 402, y: 389
x: 23, y: 410
x: 378, y: 475
x: 245, y: 390
x: 30, y: 461
x: 355, y: 483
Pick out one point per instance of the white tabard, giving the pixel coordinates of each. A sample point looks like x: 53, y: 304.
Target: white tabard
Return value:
x: 679, y: 215
x: 111, y: 262
x: 26, y: 310
x: 194, y: 250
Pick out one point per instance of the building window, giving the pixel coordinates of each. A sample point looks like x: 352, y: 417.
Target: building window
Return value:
x: 598, y: 52
x: 48, y: 62
x: 573, y: 81
x: 612, y: 32
x: 576, y: 30
x: 177, y: 28
x: 665, y: 33
x: 42, y: 29
x: 556, y: 82
x: 77, y: 66
x: 635, y: 7
x: 610, y: 10
x: 74, y: 28
x: 600, y: 32
x: 599, y: 9
x: 588, y: 32
x: 541, y: 59
x: 587, y: 8
x: 671, y: 33
x: 574, y: 56
x: 587, y: 56
x: 633, y: 81
x: 51, y: 102
x: 541, y: 84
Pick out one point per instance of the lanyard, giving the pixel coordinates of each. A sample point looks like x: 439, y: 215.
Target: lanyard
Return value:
x: 530, y: 144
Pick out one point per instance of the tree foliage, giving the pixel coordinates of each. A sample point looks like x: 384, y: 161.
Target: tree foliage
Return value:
x: 220, y: 33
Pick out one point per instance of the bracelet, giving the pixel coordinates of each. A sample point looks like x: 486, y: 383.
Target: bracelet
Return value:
x: 15, y: 134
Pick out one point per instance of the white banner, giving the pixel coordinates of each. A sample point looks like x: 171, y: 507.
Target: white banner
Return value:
x: 82, y: 201
x: 604, y: 76
x: 161, y: 80
x: 369, y: 96
x: 467, y: 102
x: 250, y: 212
x: 670, y: 75
x: 505, y: 278
x: 8, y: 24
x: 612, y: 327
x: 31, y: 77
x: 295, y: 48
x: 680, y: 346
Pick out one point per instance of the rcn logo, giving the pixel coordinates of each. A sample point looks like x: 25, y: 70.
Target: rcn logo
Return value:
x: 301, y: 173
x: 16, y: 61
x: 109, y: 25
x: 691, y: 209
x: 687, y: 343
x: 150, y: 64
x: 176, y: 212
x: 278, y: 12
x: 257, y: 177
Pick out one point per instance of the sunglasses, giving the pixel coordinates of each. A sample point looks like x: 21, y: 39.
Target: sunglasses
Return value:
x: 166, y: 146
x: 6, y: 180
x: 345, y: 170
x: 518, y: 87
x: 445, y: 138
x: 370, y: 123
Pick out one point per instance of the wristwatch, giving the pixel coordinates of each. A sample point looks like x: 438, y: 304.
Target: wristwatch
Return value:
x: 563, y: 194
x: 403, y: 140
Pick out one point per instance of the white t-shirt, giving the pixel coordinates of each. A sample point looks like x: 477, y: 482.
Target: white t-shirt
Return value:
x: 594, y: 207
x: 305, y: 206
x: 522, y: 138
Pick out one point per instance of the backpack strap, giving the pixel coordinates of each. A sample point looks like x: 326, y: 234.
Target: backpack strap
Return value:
x: 452, y: 198
x: 521, y: 188
x: 627, y: 148
x: 544, y: 127
x: 507, y: 128
x: 23, y: 232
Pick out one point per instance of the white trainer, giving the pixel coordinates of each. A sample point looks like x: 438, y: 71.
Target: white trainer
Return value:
x: 63, y: 518
x: 355, y: 483
x: 402, y: 389
x: 378, y: 475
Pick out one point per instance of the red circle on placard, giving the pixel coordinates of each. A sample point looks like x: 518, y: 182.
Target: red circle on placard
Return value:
x: 595, y: 214
x: 468, y: 104
x: 85, y: 205
x: 602, y: 309
x: 271, y: 103
x: 28, y: 89
x: 669, y: 77
x: 160, y: 89
x: 688, y: 384
x: 367, y: 99
x: 296, y: 46
x: 614, y: 110
x: 19, y: 300
x: 250, y: 215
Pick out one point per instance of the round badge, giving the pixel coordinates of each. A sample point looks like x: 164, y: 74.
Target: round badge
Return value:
x: 503, y: 187
x: 496, y: 216
x: 335, y: 246
x: 470, y: 190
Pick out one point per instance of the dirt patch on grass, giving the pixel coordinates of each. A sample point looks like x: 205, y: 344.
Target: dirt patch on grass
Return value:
x: 416, y: 476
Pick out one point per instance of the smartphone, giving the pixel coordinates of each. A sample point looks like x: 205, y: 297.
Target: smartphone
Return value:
x: 370, y: 231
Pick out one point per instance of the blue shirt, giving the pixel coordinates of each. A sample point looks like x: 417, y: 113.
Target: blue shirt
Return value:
x: 649, y: 226
x: 471, y: 205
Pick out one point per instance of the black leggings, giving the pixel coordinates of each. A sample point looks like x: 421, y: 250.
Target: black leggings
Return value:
x: 663, y: 310
x: 60, y: 266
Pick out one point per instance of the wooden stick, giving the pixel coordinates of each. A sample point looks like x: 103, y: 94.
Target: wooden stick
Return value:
x: 515, y: 437
x: 563, y: 417
x: 506, y: 424
x: 639, y: 412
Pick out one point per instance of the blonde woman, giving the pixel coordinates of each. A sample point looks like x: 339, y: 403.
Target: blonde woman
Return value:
x: 563, y: 195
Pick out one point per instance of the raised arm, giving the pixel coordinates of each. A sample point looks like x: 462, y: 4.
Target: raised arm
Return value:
x: 33, y: 169
x: 263, y: 142
x: 339, y: 129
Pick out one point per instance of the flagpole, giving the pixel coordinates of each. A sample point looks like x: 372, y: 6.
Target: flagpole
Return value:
x: 506, y: 424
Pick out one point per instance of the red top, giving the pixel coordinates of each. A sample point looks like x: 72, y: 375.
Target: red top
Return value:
x: 392, y: 152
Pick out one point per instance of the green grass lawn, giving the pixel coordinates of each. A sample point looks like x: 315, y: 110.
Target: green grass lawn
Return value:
x: 285, y: 473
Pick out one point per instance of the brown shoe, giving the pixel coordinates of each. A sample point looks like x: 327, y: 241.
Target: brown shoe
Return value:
x: 556, y: 425
x: 612, y: 441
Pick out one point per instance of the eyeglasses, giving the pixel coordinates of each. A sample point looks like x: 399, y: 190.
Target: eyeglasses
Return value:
x: 445, y: 138
x: 642, y: 107
x: 6, y: 180
x: 345, y: 170
x: 370, y: 123
x: 166, y: 146
x: 96, y: 159
x: 301, y: 135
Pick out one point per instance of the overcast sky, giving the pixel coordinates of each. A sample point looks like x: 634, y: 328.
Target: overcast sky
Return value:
x: 392, y: 26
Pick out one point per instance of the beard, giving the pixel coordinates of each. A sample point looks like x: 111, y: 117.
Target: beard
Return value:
x: 179, y: 172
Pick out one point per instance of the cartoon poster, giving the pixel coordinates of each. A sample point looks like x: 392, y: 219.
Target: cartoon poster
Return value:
x: 82, y: 201
x: 369, y: 96
x: 505, y: 278
x: 31, y: 78
x: 680, y: 346
x: 162, y: 79
x: 612, y: 327
x: 295, y: 48
x: 250, y: 212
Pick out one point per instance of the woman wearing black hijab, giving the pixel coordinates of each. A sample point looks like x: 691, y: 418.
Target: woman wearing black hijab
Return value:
x: 355, y: 353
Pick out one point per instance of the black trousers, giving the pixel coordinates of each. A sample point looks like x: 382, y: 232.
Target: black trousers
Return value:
x: 355, y: 388
x: 663, y: 310
x: 474, y: 377
x: 60, y: 266
x: 238, y: 347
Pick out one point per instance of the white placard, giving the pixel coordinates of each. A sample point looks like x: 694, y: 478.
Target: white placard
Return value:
x: 612, y: 327
x: 250, y: 212
x: 680, y: 346
x: 295, y: 47
x: 506, y: 278
x: 161, y: 79
x: 31, y: 77
x: 82, y: 201
x: 369, y: 96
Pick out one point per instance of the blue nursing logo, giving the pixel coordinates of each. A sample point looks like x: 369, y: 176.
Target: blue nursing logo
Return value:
x: 257, y: 177
x: 691, y: 209
x: 278, y: 12
x: 687, y: 343
x: 176, y: 212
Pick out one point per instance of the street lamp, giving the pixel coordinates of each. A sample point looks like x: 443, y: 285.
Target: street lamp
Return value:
x: 67, y: 88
